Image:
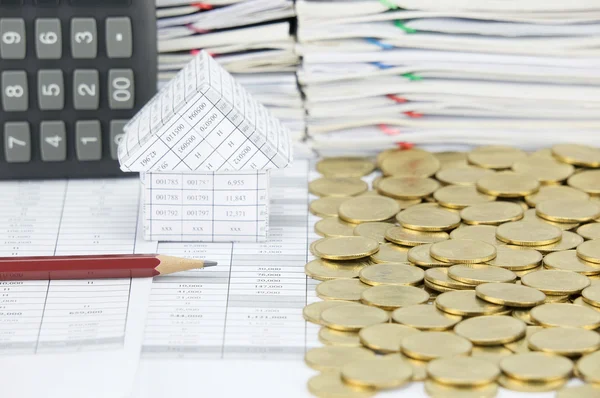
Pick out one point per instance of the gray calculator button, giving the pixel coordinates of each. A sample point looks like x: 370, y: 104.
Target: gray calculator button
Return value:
x: 53, y: 138
x: 15, y: 96
x: 86, y: 87
x: 12, y: 38
x: 17, y: 142
x: 51, y: 89
x: 84, y: 38
x: 89, y: 140
x: 121, y: 89
x: 119, y: 41
x: 48, y: 38
x: 116, y: 136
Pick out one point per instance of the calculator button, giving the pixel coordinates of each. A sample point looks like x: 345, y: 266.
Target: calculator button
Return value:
x: 121, y: 89
x: 48, y: 38
x: 86, y: 89
x: 84, y: 38
x: 51, y: 90
x: 15, y: 96
x: 89, y: 140
x: 12, y: 38
x: 119, y: 41
x: 17, y: 142
x: 53, y: 138
x: 116, y: 136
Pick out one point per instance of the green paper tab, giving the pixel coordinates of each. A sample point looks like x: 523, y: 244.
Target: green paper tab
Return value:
x: 405, y: 28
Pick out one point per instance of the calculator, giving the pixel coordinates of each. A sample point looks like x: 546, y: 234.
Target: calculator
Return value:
x: 72, y: 72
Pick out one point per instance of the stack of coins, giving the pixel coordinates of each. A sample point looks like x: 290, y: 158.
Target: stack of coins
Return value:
x: 466, y: 271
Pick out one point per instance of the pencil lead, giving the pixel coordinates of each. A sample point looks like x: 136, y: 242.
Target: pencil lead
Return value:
x: 210, y: 263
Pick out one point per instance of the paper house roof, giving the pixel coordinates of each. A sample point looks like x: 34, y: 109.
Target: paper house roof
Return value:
x: 204, y: 121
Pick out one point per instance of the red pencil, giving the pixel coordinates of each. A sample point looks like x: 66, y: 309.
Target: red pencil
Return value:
x: 93, y: 267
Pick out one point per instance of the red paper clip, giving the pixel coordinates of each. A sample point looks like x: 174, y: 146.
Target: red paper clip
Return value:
x: 202, y: 6
x: 413, y: 114
x: 387, y: 130
x: 196, y: 30
x: 397, y: 99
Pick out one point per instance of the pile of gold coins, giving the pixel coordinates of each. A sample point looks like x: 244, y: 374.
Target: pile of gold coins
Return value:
x: 466, y: 271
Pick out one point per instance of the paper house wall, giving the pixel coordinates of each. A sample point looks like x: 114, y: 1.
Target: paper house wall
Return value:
x: 204, y: 147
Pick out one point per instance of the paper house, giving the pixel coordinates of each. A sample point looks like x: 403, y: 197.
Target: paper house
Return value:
x: 204, y: 147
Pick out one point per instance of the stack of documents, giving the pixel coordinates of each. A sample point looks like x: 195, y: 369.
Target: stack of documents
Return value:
x: 251, y: 38
x: 377, y: 72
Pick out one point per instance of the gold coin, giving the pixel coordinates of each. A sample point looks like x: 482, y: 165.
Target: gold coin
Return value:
x: 324, y: 270
x: 583, y: 391
x: 554, y: 282
x: 459, y: 197
x: 312, y: 312
x: 523, y: 315
x: 556, y: 299
x: 543, y: 153
x: 491, y: 353
x: 587, y: 181
x: 334, y: 358
x: 353, y: 317
x: 510, y: 294
x: 524, y: 272
x: 555, y: 192
x: 530, y: 386
x: 341, y: 289
x: 591, y: 295
x: 589, y: 251
x: 419, y: 255
x: 327, y: 206
x: 439, y: 390
x: 568, y: 210
x: 390, y: 253
x: 390, y: 297
x: 410, y: 237
x: 476, y: 274
x: 568, y: 241
x: 496, y: 157
x: 462, y: 371
x: 437, y: 288
x: 385, y: 337
x: 467, y: 175
x: 407, y: 187
x: 384, y: 154
x: 520, y: 346
x: 311, y: 248
x: 568, y: 342
x: 508, y: 185
x: 367, y: 209
x: 528, y: 233
x: 440, y: 277
x: 329, y: 186
x: 546, y: 171
x: 530, y: 216
x: 380, y: 373
x: 391, y: 274
x: 536, y: 366
x: 330, y: 385
x: 428, y: 218
x: 590, y: 231
x: 568, y: 261
x: 583, y: 303
x: 338, y: 338
x: 466, y: 303
x: 491, y: 329
x: 373, y: 230
x: 409, y: 163
x: 451, y: 160
x: 485, y: 233
x: 516, y: 258
x: 345, y: 248
x: 566, y: 315
x: 588, y: 368
x: 419, y: 367
x: 431, y: 345
x: 494, y: 213
x: 425, y: 317
x: 578, y: 155
x: 334, y: 227
x: 406, y: 203
x: 463, y: 251
x: 345, y: 167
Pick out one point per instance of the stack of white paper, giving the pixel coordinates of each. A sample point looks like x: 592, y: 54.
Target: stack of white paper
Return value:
x: 251, y: 38
x: 377, y: 72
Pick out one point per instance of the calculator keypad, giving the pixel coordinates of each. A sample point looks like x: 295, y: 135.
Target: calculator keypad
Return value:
x: 84, y: 38
x: 53, y: 141
x: 86, y: 90
x: 48, y: 38
x: 50, y: 90
x: 17, y: 142
x: 12, y: 38
x: 121, y: 89
x: 119, y: 40
x: 15, y: 92
x: 88, y: 134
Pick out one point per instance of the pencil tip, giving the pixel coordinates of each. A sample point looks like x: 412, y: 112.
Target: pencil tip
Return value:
x: 210, y: 263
